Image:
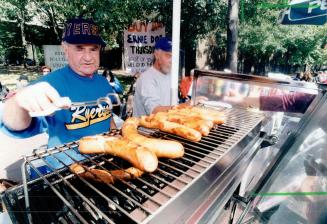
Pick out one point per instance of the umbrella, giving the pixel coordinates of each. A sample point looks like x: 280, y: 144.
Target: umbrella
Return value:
x: 309, y: 12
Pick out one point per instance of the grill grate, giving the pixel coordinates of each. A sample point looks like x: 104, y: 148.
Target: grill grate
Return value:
x: 62, y: 197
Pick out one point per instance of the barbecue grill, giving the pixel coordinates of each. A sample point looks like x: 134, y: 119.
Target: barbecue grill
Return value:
x: 192, y: 189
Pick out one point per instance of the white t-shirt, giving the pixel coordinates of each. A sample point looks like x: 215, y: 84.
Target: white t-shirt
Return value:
x: 152, y: 90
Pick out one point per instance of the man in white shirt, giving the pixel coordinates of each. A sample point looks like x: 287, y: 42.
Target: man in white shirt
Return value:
x: 152, y: 93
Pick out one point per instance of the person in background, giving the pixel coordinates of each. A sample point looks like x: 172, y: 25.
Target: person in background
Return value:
x: 22, y: 81
x: 152, y: 93
x: 186, y: 87
x: 316, y: 77
x: 307, y: 76
x: 113, y: 81
x: 299, y: 76
x: 322, y: 76
x: 45, y: 70
x: 3, y: 91
x: 49, y: 98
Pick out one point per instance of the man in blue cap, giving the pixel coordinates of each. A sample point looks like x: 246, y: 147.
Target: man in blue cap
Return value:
x: 77, y: 82
x: 153, y: 86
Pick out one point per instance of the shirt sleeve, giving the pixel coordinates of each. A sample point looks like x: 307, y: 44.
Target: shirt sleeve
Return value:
x: 38, y: 126
x: 149, y: 95
x: 295, y: 102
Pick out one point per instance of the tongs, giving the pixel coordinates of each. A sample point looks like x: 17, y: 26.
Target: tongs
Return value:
x: 65, y: 104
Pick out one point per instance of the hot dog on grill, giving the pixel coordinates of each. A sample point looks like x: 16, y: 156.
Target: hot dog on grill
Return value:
x: 104, y: 176
x: 149, y: 121
x: 138, y: 156
x: 180, y: 130
x: 160, y: 147
x: 160, y: 121
x: 195, y: 122
x: 207, y: 114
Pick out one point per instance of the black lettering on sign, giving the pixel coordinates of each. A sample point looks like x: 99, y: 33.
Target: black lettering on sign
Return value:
x: 142, y: 49
x: 137, y: 39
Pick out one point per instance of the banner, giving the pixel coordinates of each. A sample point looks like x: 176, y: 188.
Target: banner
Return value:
x: 309, y: 12
x: 54, y: 56
x: 139, y: 40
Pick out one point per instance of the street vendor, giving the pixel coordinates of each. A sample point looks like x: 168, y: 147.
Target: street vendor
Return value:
x: 152, y: 87
x: 78, y: 81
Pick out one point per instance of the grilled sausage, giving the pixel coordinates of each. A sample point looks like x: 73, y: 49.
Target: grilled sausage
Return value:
x: 160, y: 121
x: 104, y: 176
x: 202, y: 125
x: 138, y: 156
x: 180, y: 130
x: 160, y: 147
x: 215, y: 116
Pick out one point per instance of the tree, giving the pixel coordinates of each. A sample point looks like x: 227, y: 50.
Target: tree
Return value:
x: 16, y: 10
x: 53, y: 15
x: 232, y: 34
x: 266, y: 45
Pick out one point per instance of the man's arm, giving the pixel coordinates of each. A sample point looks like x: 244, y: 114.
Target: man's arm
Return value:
x: 15, y: 117
x: 41, y: 97
x: 243, y: 101
x: 293, y: 102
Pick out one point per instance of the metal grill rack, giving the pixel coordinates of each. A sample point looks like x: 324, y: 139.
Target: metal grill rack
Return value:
x: 60, y: 196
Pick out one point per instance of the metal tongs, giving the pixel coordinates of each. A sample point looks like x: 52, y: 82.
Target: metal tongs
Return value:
x: 65, y: 104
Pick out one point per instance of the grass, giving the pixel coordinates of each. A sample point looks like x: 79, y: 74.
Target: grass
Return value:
x: 9, y: 74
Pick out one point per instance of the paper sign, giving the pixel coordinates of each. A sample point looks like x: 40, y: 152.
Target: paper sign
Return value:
x: 139, y: 41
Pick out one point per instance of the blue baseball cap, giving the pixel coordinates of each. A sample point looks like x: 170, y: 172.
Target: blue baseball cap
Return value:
x: 164, y: 43
x: 82, y: 31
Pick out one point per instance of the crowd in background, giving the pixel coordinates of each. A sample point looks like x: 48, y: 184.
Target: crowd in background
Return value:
x: 317, y: 77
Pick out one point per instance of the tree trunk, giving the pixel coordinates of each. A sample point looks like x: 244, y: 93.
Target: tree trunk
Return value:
x: 54, y: 23
x: 190, y: 57
x: 232, y: 34
x: 21, y: 17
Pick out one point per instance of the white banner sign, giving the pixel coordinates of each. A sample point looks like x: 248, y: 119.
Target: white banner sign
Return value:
x: 54, y: 56
x: 139, y: 40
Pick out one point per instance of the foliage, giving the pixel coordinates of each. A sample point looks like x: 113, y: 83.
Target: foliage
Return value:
x: 14, y: 55
x: 9, y: 35
x: 262, y: 41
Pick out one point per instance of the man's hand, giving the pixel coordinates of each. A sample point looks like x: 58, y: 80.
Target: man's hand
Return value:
x: 233, y: 97
x: 40, y: 98
x: 200, y: 99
